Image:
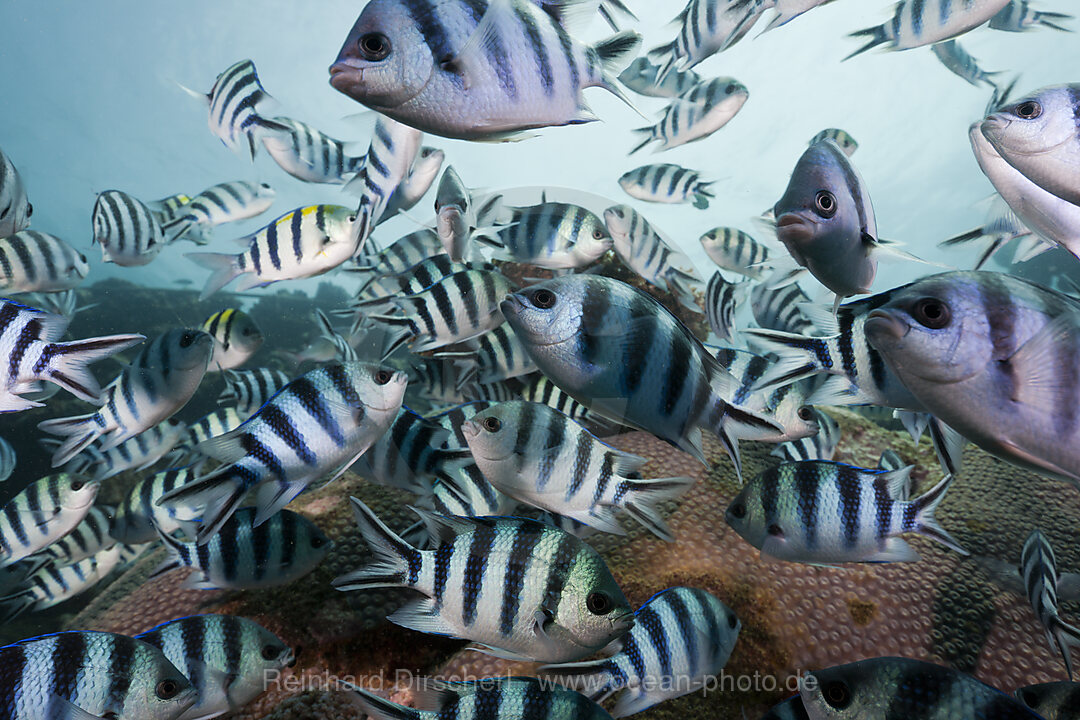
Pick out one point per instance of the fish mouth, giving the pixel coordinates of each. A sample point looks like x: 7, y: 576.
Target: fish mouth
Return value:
x: 793, y: 227
x: 624, y: 622
x: 345, y: 73
x: 885, y: 324
x: 470, y: 429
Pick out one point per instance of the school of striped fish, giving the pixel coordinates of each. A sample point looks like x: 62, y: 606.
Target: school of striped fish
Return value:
x: 488, y: 359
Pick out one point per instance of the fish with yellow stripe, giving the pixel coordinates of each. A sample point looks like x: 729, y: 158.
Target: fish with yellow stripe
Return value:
x: 236, y: 338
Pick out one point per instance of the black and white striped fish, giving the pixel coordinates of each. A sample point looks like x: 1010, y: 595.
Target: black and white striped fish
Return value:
x: 404, y: 253
x: 158, y: 382
x: 222, y: 203
x: 433, y: 384
x: 722, y: 299
x: 82, y: 675
x: 136, y: 453
x: 1039, y: 570
x: 734, y: 250
x: 250, y: 389
x: 379, y: 292
x: 389, y: 158
x: 311, y: 430
x: 414, y: 187
x: 842, y: 138
x: 500, y: 391
x: 309, y: 154
x: 651, y: 255
x: 228, y: 659
x: 302, y: 243
x: 15, y: 209
x: 643, y: 77
x: 781, y: 309
x: 139, y: 516
x: 681, y: 638
x: 699, y: 113
x: 409, y: 455
x: 235, y: 103
x: 169, y: 208
x: 42, y: 513
x: 454, y: 309
x: 916, y: 23
x: 475, y: 70
x: 962, y: 64
x: 463, y: 491
x: 786, y: 405
x: 1019, y: 16
x: 515, y: 587
x: 1052, y: 700
x: 904, y: 688
x: 822, y: 512
x: 246, y: 555
x: 32, y: 356
x: 707, y: 27
x: 127, y: 231
x: 8, y: 459
x: 55, y: 583
x: 32, y: 261
x: 89, y: 537
x: 599, y: 339
x: 489, y: 358
x: 667, y: 183
x: 499, y: 698
x: 211, y: 425
x: 542, y: 390
x: 236, y: 338
x: 820, y: 446
x: 557, y: 236
x: 539, y: 456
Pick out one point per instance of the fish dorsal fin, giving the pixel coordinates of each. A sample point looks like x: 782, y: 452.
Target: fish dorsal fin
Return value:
x: 471, y: 57
x: 898, y: 482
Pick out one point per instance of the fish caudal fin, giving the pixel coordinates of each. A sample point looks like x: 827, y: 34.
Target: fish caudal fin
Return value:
x: 925, y: 522
x: 68, y: 363
x: 1064, y: 636
x: 80, y: 430
x: 615, y: 53
x: 396, y: 561
x: 878, y: 36
x: 220, y: 492
x: 642, y: 497
x: 596, y: 679
x: 224, y: 270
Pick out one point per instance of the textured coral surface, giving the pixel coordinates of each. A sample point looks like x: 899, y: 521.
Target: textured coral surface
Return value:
x: 945, y: 608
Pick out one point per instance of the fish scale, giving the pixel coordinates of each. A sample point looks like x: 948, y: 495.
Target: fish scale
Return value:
x: 496, y: 355
x: 42, y: 513
x: 650, y: 254
x: 732, y: 249
x: 404, y: 253
x: 32, y: 261
x: 409, y: 455
x: 219, y: 204
x: 136, y: 453
x: 703, y: 110
x: 667, y: 183
x: 250, y: 389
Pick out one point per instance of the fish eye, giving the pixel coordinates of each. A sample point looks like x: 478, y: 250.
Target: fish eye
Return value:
x: 374, y: 46
x: 1029, y: 110
x: 730, y: 88
x: 352, y: 218
x: 167, y: 689
x: 272, y: 652
x: 738, y: 511
x: 1029, y: 698
x: 82, y: 258
x: 599, y: 603
x: 732, y: 620
x: 825, y: 204
x: 77, y: 485
x: 837, y: 694
x: 264, y: 186
x: 383, y: 376
x: 597, y: 234
x: 806, y: 413
x: 491, y: 424
x: 29, y: 209
x: 186, y: 339
x: 932, y: 313
x: 317, y: 542
x: 543, y: 299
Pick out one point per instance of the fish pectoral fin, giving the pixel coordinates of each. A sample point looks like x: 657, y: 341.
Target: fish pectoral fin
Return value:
x: 71, y: 710
x: 471, y: 58
x: 542, y: 620
x: 423, y: 616
x: 1039, y: 381
x: 498, y: 652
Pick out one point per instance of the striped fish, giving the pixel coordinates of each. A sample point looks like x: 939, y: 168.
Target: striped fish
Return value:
x: 1052, y: 700
x: 557, y: 236
x: 787, y: 405
x: 904, y: 688
x: 707, y: 27
x: 139, y: 516
x: 961, y: 64
x: 247, y: 555
x: 302, y: 243
x: 414, y: 187
x: 681, y: 638
x: 236, y: 338
x: 667, y: 183
x: 81, y: 675
x: 250, y: 389
x: 454, y: 309
x: 389, y: 158
x: 126, y: 230
x: 465, y: 492
x: 1019, y: 16
x: 820, y: 446
x: 916, y: 23
x: 235, y: 103
x: 45, y: 511
x: 404, y: 253
x: 782, y: 309
x: 421, y: 276
x: 489, y: 358
x: 455, y: 216
x: 409, y: 455
x: 309, y: 154
x: 137, y: 453
x: 54, y: 584
x: 211, y: 425
x: 311, y: 430
x: 499, y: 698
x: 734, y: 250
x: 721, y: 301
x: 422, y: 66
x: 169, y: 208
x: 822, y: 512
x: 696, y: 115
x: 8, y: 459
x: 32, y: 261
x: 567, y: 13
x: 158, y: 383
x: 790, y: 709
x: 1038, y: 567
x: 229, y: 660
x: 515, y: 587
x: 842, y: 138
x: 651, y: 255
x: 433, y: 384
x: 15, y: 209
x: 540, y: 389
x: 222, y: 203
x: 643, y: 77
x: 501, y: 391
x: 539, y: 456
x: 598, y: 339
x: 91, y: 536
x: 31, y: 356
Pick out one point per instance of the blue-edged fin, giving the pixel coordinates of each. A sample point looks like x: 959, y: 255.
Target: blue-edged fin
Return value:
x: 392, y: 554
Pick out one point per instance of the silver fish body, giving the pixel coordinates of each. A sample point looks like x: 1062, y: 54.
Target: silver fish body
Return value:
x: 169, y: 208
x: 311, y: 155
x: 92, y: 535
x: 15, y: 209
x: 703, y: 110
x: 650, y: 255
x: 786, y: 405
x: 219, y: 204
x: 234, y: 104
x: 916, y: 23
x: 820, y: 446
x: 842, y: 138
x: 721, y: 301
x: 32, y: 261
x: 404, y: 253
x: 409, y: 455
x: 643, y: 77
x: 960, y: 63
x: 734, y: 250
x: 249, y: 389
x: 62, y: 500
x: 1052, y: 700
x: 557, y: 236
x: 54, y: 583
x: 390, y: 156
x: 127, y: 231
x: 136, y: 453
x: 236, y: 338
x: 139, y: 516
x: 707, y: 27
x: 1019, y: 16
x: 667, y: 183
x: 414, y: 187
x: 8, y: 459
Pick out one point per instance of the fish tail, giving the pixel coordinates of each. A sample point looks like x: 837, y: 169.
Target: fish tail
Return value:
x: 878, y: 36
x: 1045, y: 19
x: 220, y: 493
x: 1065, y: 636
x: 596, y: 679
x: 81, y: 431
x: 224, y: 270
x: 615, y: 53
x: 737, y: 423
x: 927, y: 524
x: 14, y: 605
x: 798, y: 357
x: 68, y: 362
x: 403, y: 329
x: 380, y: 708
x: 395, y: 559
x: 643, y: 496
x: 175, y: 559
x: 649, y: 137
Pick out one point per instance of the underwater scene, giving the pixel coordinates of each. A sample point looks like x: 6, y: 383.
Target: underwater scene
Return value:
x: 539, y: 360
